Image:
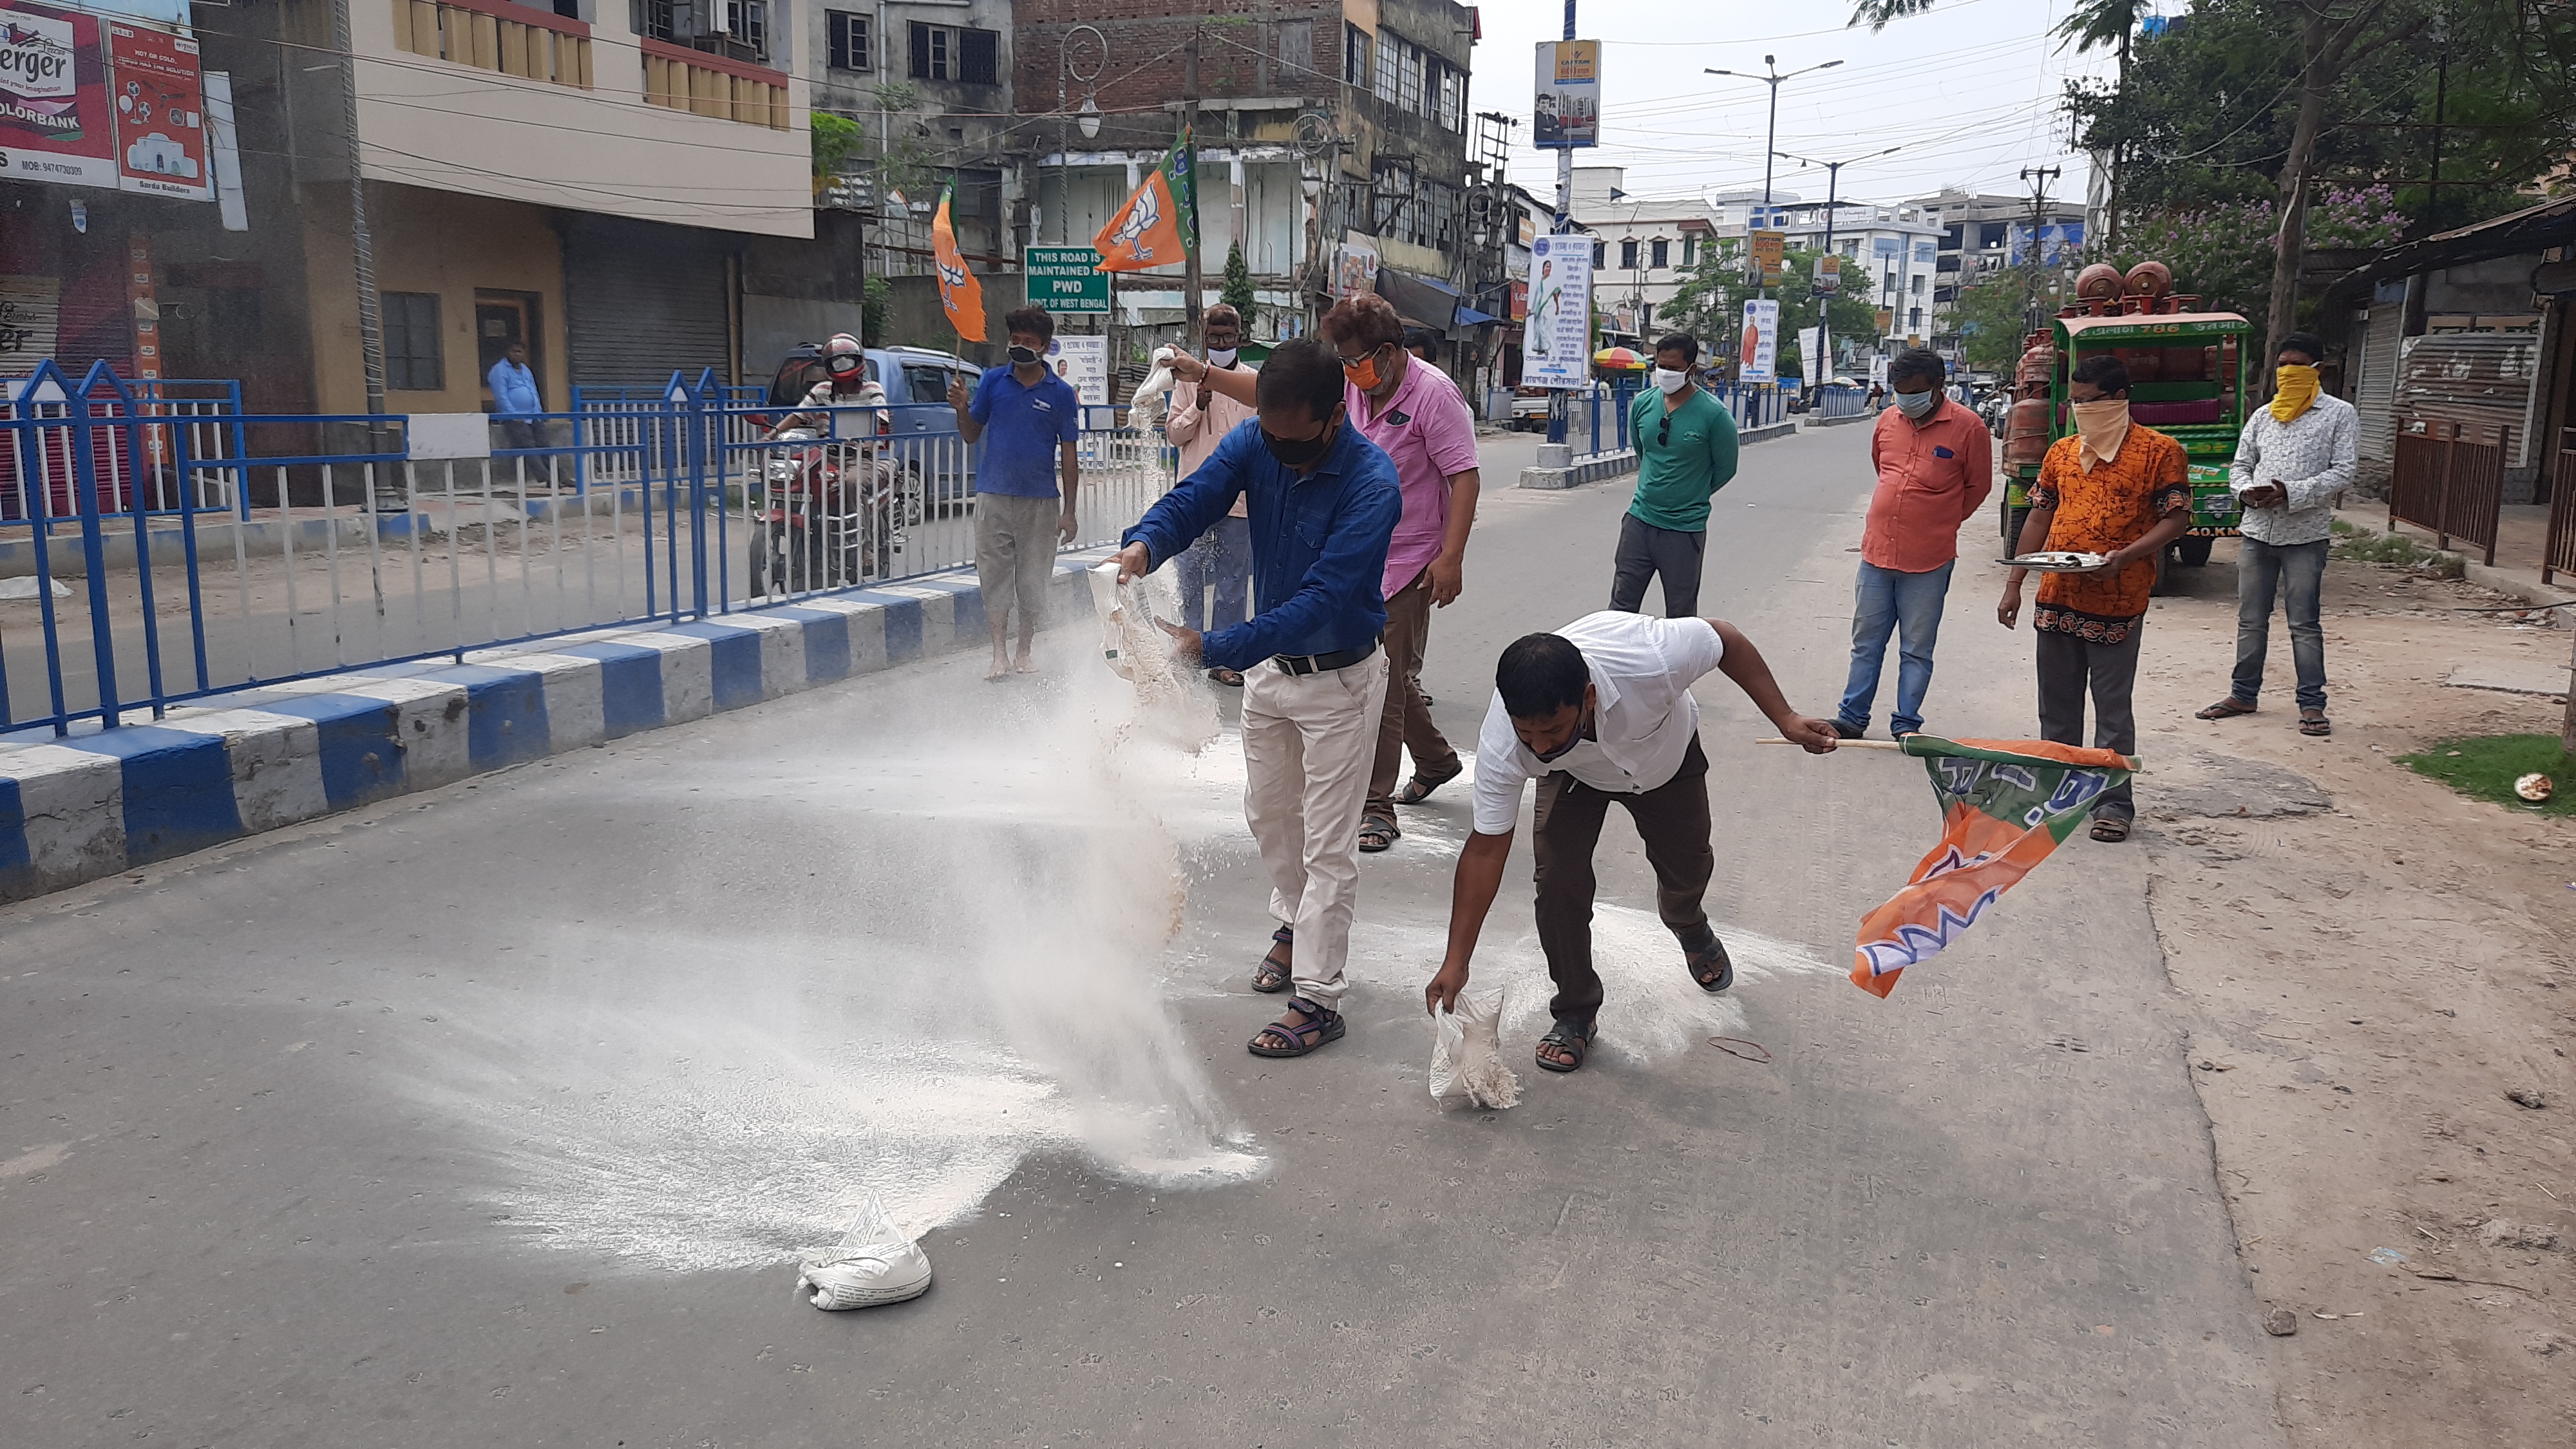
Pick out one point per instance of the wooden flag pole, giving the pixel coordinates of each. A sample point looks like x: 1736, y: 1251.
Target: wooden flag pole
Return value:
x: 1842, y: 745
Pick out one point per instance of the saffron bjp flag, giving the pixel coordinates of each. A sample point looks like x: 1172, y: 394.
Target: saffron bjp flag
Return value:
x: 2005, y: 804
x: 1161, y: 217
x: 959, y: 292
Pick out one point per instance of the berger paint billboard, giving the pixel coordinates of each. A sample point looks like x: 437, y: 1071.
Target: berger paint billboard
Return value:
x: 1566, y: 111
x: 55, y: 122
x: 1556, y: 341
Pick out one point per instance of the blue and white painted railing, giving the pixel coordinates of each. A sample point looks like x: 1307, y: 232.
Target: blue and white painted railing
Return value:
x: 297, y: 546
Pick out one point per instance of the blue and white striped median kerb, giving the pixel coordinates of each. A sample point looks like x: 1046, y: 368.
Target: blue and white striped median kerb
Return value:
x: 98, y: 801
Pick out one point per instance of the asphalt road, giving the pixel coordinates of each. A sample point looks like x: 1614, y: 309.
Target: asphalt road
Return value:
x: 496, y: 1116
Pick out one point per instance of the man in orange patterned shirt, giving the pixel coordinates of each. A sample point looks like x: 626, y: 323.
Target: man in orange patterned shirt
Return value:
x: 2120, y: 490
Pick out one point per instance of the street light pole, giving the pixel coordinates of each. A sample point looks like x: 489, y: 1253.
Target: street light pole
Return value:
x: 1772, y: 76
x: 2038, y: 177
x: 1824, y: 307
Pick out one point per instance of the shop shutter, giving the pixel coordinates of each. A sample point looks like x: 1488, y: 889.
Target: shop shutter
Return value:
x: 643, y: 300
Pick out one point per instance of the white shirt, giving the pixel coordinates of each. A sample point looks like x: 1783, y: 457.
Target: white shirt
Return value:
x: 1643, y: 714
x: 2313, y: 456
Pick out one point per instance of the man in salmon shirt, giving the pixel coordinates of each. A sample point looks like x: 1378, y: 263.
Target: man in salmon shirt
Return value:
x: 1935, y: 464
x: 1413, y: 412
x: 2120, y: 490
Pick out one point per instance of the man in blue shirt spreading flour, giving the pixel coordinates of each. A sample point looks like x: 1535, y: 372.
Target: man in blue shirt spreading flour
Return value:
x: 1323, y: 503
x: 1030, y: 422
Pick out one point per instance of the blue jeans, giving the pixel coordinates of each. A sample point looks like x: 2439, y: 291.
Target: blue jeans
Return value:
x: 1222, y: 557
x: 1886, y: 602
x: 2296, y: 572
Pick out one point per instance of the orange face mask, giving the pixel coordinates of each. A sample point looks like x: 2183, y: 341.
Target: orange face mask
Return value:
x: 1362, y: 371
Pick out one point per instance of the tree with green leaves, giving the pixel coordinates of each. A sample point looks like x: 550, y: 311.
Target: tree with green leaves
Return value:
x: 1237, y: 291
x: 1709, y: 304
x: 2291, y: 99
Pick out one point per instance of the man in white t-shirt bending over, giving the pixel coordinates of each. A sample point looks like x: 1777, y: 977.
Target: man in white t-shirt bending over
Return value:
x: 1601, y: 710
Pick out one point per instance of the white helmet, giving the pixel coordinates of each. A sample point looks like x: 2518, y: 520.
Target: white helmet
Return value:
x: 843, y: 357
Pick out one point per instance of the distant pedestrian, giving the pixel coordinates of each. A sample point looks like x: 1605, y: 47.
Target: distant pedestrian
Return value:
x: 1877, y: 395
x: 1324, y: 503
x: 2122, y: 490
x: 1685, y: 441
x: 1597, y: 712
x: 1201, y: 418
x: 515, y: 400
x: 1935, y: 465
x: 1035, y: 420
x: 1414, y: 412
x: 2295, y: 459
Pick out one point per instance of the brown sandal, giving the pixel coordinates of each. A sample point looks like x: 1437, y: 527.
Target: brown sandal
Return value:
x: 2314, y: 722
x: 2110, y: 828
x: 2228, y: 708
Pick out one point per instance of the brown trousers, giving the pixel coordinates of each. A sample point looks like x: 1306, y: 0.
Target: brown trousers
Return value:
x: 1672, y: 820
x: 1407, y: 725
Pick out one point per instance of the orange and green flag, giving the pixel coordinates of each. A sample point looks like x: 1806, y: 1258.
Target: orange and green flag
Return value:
x: 2005, y: 804
x: 1161, y: 216
x: 959, y: 292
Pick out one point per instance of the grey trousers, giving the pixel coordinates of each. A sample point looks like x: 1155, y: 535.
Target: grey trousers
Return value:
x: 2067, y: 666
x: 1646, y: 551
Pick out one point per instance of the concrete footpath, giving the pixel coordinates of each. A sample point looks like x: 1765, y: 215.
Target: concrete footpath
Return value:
x: 98, y: 801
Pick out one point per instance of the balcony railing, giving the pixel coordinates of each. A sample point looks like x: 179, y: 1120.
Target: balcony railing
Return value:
x: 710, y: 85
x: 498, y: 36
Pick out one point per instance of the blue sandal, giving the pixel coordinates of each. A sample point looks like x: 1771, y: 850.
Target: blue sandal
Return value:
x: 1322, y: 1024
x: 1273, y: 975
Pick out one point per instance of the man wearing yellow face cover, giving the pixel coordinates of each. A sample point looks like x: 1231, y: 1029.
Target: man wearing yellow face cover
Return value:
x: 2295, y: 459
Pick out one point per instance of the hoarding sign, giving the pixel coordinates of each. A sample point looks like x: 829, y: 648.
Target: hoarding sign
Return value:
x: 1760, y: 352
x: 1520, y: 301
x: 1556, y: 344
x: 1067, y: 280
x: 55, y: 121
x: 1082, y: 361
x: 1811, y: 357
x: 1829, y: 275
x: 1355, y: 265
x: 1567, y: 110
x: 160, y: 112
x: 1767, y: 249
x: 2056, y: 242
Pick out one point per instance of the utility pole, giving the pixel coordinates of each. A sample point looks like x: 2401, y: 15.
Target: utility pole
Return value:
x: 362, y: 246
x: 1557, y: 399
x: 1771, y: 76
x: 1825, y: 303
x: 2038, y: 177
x: 1190, y: 279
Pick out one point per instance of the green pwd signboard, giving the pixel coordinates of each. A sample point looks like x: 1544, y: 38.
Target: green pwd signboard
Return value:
x: 1067, y: 279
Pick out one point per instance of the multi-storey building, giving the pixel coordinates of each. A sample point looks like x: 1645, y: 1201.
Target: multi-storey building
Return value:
x: 1977, y: 237
x: 1332, y: 136
x: 625, y: 186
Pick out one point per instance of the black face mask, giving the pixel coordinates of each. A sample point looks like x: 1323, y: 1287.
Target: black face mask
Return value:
x: 1297, y: 452
x: 1561, y: 751
x: 1023, y: 357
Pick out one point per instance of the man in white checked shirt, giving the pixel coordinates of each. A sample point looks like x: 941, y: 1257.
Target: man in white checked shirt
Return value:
x: 2292, y: 465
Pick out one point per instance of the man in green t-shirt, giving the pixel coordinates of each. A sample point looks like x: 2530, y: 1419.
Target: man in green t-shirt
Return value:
x: 1685, y: 453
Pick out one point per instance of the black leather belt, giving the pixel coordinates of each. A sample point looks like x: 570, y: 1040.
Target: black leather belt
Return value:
x: 1318, y: 663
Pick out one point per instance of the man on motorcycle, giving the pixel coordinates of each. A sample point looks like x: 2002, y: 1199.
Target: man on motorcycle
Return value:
x: 845, y: 383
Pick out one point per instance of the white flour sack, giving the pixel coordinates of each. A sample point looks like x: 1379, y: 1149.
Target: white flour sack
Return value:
x: 1172, y: 697
x: 874, y: 1263
x: 1467, y: 1053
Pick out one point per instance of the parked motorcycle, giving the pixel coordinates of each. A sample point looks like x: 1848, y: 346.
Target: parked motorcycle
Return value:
x: 831, y: 515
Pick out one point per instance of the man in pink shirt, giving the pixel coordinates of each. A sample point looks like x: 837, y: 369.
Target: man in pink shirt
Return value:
x: 1935, y: 463
x: 1413, y: 412
x: 1200, y: 419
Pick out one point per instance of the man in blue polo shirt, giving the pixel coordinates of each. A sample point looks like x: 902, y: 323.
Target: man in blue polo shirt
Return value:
x: 1031, y: 421
x: 1323, y: 504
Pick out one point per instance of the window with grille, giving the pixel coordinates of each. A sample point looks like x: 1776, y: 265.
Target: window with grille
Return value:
x: 411, y: 342
x: 1390, y: 51
x: 1656, y: 253
x: 735, y: 28
x: 934, y: 52
x: 848, y: 32
x: 1355, y: 55
x: 977, y: 54
x: 1599, y: 249
x: 1690, y: 251
x: 1453, y: 99
x: 1627, y: 255
x: 1408, y: 78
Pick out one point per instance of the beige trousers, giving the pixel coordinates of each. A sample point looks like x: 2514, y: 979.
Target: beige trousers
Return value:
x: 1308, y: 742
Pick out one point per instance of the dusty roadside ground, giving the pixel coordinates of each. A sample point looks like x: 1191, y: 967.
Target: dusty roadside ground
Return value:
x: 2371, y: 963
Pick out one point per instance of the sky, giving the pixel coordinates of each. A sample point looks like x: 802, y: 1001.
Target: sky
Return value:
x: 1970, y: 90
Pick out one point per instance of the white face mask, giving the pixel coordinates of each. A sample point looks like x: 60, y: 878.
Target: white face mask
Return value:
x: 1220, y: 356
x: 1669, y: 382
